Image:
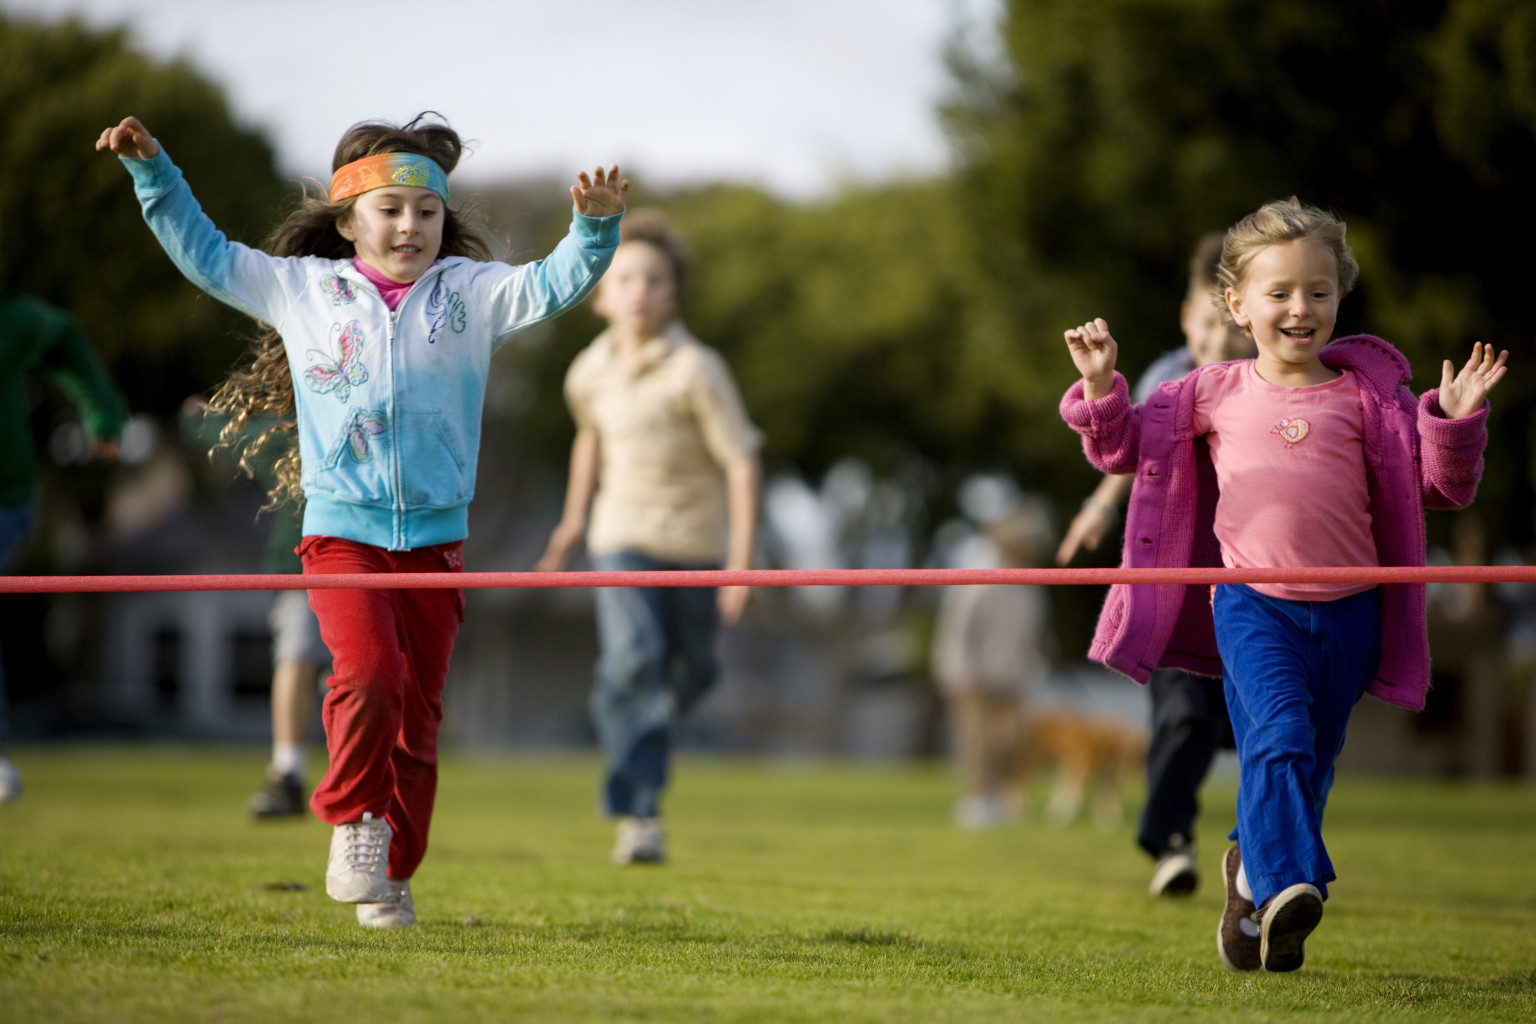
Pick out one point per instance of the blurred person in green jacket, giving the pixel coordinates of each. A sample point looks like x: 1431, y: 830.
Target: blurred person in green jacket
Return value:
x: 37, y: 338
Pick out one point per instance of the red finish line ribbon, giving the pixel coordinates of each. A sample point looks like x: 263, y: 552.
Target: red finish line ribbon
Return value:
x: 761, y: 578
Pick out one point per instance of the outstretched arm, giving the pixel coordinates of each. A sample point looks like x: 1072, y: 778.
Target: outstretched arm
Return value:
x: 245, y: 278
x: 535, y: 292
x: 1462, y: 394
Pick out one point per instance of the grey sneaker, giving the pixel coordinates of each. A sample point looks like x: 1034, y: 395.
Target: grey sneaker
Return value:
x: 640, y: 841
x: 1284, y: 924
x: 359, y: 860
x: 10, y: 782
x: 281, y: 797
x: 395, y: 912
x: 1177, y: 872
x: 1237, y: 937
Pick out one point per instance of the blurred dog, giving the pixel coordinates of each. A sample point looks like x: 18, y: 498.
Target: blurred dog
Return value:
x: 1092, y: 755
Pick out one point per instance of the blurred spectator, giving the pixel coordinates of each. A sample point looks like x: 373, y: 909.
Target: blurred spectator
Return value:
x: 36, y: 338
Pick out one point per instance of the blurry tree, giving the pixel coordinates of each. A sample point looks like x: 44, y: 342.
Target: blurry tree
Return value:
x: 1109, y: 134
x: 71, y: 227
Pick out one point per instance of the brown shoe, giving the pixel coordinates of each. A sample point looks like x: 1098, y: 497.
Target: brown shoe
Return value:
x: 1237, y: 937
x: 1286, y: 921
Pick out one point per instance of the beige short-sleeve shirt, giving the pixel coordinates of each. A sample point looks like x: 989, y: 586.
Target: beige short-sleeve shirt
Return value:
x: 667, y: 425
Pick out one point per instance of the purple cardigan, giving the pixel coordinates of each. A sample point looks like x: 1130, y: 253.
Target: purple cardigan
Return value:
x: 1414, y: 458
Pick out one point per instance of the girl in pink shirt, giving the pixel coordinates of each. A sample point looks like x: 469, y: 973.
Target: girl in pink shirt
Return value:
x: 1288, y: 434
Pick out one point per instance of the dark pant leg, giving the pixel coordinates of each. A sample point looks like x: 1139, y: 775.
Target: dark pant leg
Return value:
x: 1189, y: 724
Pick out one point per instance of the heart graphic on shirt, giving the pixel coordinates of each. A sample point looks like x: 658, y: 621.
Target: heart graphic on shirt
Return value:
x: 1292, y: 430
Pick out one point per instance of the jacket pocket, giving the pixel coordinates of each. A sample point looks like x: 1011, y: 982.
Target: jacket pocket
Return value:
x: 357, y: 462
x: 433, y: 465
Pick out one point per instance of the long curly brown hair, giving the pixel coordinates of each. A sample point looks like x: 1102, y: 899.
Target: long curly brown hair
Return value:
x: 262, y: 385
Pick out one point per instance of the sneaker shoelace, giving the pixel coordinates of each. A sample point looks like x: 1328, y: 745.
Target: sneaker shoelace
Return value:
x: 365, y: 846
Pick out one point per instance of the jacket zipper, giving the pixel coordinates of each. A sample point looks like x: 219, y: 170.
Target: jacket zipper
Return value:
x: 398, y: 502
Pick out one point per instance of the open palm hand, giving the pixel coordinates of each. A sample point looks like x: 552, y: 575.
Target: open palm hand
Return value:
x: 1462, y: 394
x: 600, y: 194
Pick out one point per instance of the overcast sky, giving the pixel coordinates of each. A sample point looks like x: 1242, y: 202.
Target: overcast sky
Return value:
x: 795, y: 95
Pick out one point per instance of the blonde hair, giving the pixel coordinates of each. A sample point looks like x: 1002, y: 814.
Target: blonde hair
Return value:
x: 263, y: 385
x: 1276, y: 223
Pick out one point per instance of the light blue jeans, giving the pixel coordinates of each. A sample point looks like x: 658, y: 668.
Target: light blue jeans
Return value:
x: 15, y: 525
x: 656, y: 658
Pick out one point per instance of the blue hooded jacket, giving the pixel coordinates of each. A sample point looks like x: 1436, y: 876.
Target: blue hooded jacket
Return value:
x: 389, y: 402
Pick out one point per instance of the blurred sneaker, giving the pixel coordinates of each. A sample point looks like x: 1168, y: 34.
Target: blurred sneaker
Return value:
x: 359, y: 860
x: 640, y: 841
x: 1284, y: 924
x: 395, y: 912
x: 282, y: 797
x: 1237, y: 938
x: 978, y: 812
x: 10, y: 782
x: 1177, y: 872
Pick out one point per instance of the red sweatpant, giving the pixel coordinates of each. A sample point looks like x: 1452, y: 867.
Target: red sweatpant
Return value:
x: 389, y: 661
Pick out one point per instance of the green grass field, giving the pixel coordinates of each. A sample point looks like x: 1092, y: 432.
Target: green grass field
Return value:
x: 132, y: 888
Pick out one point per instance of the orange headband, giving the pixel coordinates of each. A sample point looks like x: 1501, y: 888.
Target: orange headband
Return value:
x: 386, y: 169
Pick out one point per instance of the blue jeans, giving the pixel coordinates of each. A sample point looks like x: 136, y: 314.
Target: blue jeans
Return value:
x: 1293, y: 671
x: 656, y: 658
x: 15, y: 524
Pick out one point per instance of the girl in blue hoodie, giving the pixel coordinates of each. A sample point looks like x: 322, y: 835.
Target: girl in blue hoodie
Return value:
x: 381, y: 312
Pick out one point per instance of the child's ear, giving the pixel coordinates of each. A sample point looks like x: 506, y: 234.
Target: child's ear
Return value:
x: 1235, y: 305
x: 344, y: 226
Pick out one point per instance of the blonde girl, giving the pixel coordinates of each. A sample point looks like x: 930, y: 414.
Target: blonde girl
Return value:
x: 1321, y: 457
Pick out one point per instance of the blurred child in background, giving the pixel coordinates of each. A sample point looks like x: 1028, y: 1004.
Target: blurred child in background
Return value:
x: 1189, y: 713
x: 664, y: 475
x: 989, y: 660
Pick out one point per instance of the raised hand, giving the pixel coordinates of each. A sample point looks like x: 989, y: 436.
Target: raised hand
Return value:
x: 1464, y: 393
x: 128, y: 138
x: 1093, y: 351
x: 600, y: 195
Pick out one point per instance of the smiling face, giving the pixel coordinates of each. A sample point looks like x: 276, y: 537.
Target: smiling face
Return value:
x: 397, y: 231
x: 638, y: 294
x: 1288, y: 298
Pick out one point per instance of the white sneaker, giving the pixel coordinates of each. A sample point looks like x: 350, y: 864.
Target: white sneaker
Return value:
x: 640, y: 841
x: 396, y: 912
x: 359, y: 860
x: 1177, y: 872
x: 10, y: 782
